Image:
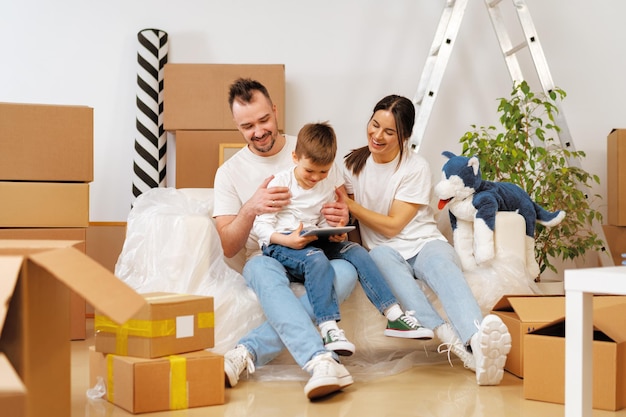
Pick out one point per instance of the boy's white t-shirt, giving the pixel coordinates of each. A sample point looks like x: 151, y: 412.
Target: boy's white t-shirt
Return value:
x: 378, y: 185
x: 240, y: 176
x: 305, y: 207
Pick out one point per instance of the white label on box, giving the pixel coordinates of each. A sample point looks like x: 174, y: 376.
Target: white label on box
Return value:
x: 184, y: 326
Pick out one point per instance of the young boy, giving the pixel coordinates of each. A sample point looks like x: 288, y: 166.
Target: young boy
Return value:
x: 312, y: 182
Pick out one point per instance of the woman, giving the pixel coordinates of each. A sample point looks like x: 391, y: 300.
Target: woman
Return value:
x: 391, y: 187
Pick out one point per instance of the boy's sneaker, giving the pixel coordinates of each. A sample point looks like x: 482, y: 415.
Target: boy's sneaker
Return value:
x: 235, y: 362
x: 336, y: 341
x: 490, y: 346
x: 450, y: 343
x: 327, y: 376
x: 408, y: 327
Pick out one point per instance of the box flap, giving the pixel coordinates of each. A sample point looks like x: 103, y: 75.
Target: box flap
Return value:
x: 612, y: 321
x: 9, y: 272
x: 533, y: 308
x: 94, y: 282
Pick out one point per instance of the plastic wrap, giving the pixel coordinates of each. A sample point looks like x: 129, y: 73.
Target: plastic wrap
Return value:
x: 172, y: 245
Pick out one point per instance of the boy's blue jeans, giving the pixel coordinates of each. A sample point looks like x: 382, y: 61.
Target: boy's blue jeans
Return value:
x: 311, y: 266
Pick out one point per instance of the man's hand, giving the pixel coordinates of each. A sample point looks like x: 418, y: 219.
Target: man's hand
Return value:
x: 269, y: 200
x: 336, y: 212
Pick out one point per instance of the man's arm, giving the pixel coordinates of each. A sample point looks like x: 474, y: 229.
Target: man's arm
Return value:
x: 235, y: 229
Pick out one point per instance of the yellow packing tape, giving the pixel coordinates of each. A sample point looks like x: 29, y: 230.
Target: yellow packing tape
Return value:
x: 178, y: 383
x: 145, y: 328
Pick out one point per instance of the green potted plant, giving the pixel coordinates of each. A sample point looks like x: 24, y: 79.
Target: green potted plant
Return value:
x: 525, y: 152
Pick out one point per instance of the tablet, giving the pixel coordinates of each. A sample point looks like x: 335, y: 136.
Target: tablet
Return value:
x: 327, y: 231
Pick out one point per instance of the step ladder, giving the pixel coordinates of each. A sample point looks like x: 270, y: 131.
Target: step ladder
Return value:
x: 439, y: 55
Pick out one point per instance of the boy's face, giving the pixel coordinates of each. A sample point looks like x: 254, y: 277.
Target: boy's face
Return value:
x: 308, y: 173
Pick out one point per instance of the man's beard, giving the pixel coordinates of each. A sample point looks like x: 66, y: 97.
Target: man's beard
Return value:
x: 267, y: 147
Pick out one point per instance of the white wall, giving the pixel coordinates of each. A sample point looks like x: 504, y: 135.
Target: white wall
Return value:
x: 341, y: 56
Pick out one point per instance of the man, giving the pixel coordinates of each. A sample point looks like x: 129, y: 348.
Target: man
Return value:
x: 241, y: 194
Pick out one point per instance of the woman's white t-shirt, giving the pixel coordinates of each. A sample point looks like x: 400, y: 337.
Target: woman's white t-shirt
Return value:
x: 378, y: 185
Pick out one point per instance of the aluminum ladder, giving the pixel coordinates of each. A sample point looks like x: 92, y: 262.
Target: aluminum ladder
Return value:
x: 439, y: 55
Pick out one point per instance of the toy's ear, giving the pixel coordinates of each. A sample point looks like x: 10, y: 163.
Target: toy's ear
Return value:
x: 473, y: 162
x: 448, y: 154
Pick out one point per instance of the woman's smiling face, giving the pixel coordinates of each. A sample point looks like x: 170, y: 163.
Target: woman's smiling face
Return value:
x: 382, y: 136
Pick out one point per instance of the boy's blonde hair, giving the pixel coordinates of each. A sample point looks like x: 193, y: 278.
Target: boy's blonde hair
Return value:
x: 317, y: 142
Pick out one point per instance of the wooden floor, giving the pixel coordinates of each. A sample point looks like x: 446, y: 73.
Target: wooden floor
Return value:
x: 425, y: 391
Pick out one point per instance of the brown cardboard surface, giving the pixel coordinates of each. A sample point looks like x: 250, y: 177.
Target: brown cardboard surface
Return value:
x: 42, y: 142
x: 12, y: 390
x: 544, y: 351
x: 195, y: 96
x: 44, y: 204
x: 35, y: 332
x: 616, y: 241
x: 523, y: 314
x: 168, y: 324
x: 142, y: 385
x: 78, y: 308
x: 197, y: 155
x: 616, y: 177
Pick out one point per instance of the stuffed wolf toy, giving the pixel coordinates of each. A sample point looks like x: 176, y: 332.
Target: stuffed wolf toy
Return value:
x: 473, y: 204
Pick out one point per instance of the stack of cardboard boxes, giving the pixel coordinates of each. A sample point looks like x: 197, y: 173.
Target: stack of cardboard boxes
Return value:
x: 157, y: 361
x: 195, y: 109
x: 615, y: 229
x: 46, y: 165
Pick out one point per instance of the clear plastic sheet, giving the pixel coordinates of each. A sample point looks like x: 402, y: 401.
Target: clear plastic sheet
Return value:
x: 172, y: 245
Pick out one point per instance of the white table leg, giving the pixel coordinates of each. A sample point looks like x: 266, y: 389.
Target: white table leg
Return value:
x: 578, y: 353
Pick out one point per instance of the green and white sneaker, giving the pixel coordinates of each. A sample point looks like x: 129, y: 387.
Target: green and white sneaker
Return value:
x: 407, y: 327
x: 335, y: 340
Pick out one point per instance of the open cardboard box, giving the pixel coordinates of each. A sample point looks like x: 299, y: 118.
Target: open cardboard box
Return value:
x: 544, y: 357
x: 522, y: 314
x: 35, y: 281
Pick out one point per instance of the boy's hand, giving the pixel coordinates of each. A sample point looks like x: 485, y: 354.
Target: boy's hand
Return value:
x: 294, y: 240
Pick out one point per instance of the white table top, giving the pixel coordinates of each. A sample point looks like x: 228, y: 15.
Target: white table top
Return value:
x: 604, y: 280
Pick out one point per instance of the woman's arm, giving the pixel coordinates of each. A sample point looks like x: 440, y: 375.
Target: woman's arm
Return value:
x: 389, y: 225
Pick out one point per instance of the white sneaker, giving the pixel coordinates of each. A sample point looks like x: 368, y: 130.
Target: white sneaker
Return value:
x: 327, y: 376
x: 490, y: 346
x: 450, y: 343
x: 235, y: 362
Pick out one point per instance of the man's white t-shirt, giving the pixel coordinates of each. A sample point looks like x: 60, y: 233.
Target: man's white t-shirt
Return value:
x: 305, y: 207
x: 378, y: 185
x: 239, y: 178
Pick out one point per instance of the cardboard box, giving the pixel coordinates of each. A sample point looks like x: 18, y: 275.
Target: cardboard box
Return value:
x: 616, y: 177
x: 544, y: 357
x: 12, y: 390
x: 78, y: 308
x: 175, y: 382
x: 168, y: 324
x: 198, y: 155
x: 44, y: 204
x: 37, y: 276
x: 46, y: 142
x: 195, y: 96
x: 616, y: 241
x: 522, y: 314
